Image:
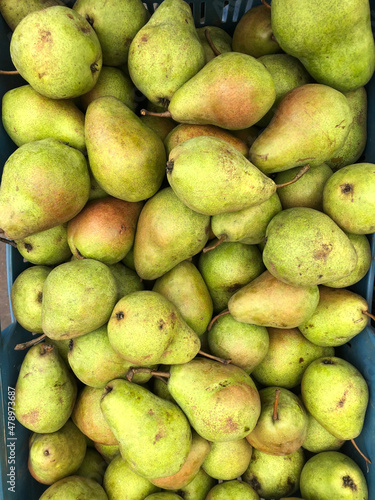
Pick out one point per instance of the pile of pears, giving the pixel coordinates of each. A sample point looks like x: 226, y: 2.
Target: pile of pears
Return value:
x: 194, y: 209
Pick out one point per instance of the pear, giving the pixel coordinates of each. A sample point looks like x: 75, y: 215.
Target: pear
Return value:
x: 282, y: 425
x: 339, y: 52
x: 162, y: 336
x: 319, y: 114
x: 115, y: 25
x: 163, y: 496
x: 56, y: 455
x: 166, y: 52
x: 160, y: 385
x: 244, y: 344
x: 104, y: 230
x: 339, y: 316
x: 48, y: 165
x: 127, y: 280
x: 348, y: 200
x: 26, y: 297
x: 265, y: 301
x: 73, y: 288
x: 287, y: 358
x: 228, y: 460
x: 235, y: 490
x: 29, y: 116
x: 306, y: 247
x: 14, y: 13
x: 161, y: 126
x: 107, y: 451
x: 331, y: 474
x: 93, y: 466
x: 184, y: 286
x: 126, y: 158
x: 73, y: 487
x: 62, y: 347
x: 318, y: 439
x: 220, y: 401
x: 57, y: 52
x: 214, y: 188
x: 198, y: 488
x: 336, y: 394
x: 154, y: 434
x: 247, y: 135
x: 220, y: 39
x: 45, y: 390
x: 272, y: 476
x: 227, y: 268
x: 160, y: 241
x: 253, y: 33
x: 120, y: 481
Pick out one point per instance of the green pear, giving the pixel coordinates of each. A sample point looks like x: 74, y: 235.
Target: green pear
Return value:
x: 184, y: 286
x: 154, y: 434
x: 26, y: 297
x: 348, y: 198
x: 235, y: 490
x: 160, y: 385
x: 71, y: 290
x: 29, y: 116
x: 161, y: 126
x: 336, y: 394
x: 62, y: 347
x: 163, y: 496
x: 127, y: 280
x: 247, y: 135
x: 166, y: 52
x: 308, y: 191
x: 247, y: 225
x: 126, y: 158
x: 96, y: 191
x: 288, y: 356
x: 338, y: 52
x: 228, y: 460
x: 227, y: 268
x: 73, y: 487
x: 56, y: 455
x: 120, y: 481
x: 57, y: 52
x: 244, y: 344
x: 199, y: 450
x: 265, y: 301
x: 354, y: 144
x: 13, y: 13
x: 115, y: 24
x: 306, y: 247
x: 45, y: 183
x: 88, y: 417
x: 273, y: 476
x: 45, y: 390
x: 318, y: 439
x: 168, y: 232
x: 220, y: 401
x: 93, y: 466
x: 331, y: 474
x: 220, y: 39
x: 339, y: 316
x: 309, y: 125
x: 282, y: 425
x: 107, y: 451
x: 198, y: 488
x: 253, y: 33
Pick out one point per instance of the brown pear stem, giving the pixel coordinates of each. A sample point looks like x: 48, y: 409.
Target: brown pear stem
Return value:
x: 220, y: 360
x: 216, y: 244
x: 25, y: 345
x: 266, y: 4
x: 367, y: 460
x: 161, y: 379
x: 8, y: 242
x: 275, y: 416
x: 3, y: 72
x: 367, y: 313
x: 210, y: 42
x: 217, y: 317
x: 133, y: 371
x: 164, y: 114
x: 295, y: 179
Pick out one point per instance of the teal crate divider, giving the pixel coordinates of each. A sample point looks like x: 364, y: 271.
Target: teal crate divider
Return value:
x: 360, y: 351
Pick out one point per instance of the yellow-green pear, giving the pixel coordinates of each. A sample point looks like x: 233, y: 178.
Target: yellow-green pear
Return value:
x: 318, y: 439
x: 236, y: 490
x: 73, y: 487
x: 220, y: 39
x: 228, y: 460
x: 13, y: 13
x: 93, y: 466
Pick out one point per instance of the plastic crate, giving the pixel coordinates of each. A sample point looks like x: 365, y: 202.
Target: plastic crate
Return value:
x: 360, y: 351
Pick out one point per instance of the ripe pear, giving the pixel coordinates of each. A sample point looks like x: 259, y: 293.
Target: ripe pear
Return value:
x: 161, y: 126
x: 306, y: 247
x: 45, y: 183
x: 93, y: 466
x: 107, y: 451
x: 45, y: 390
x: 29, y: 116
x: 163, y: 496
x: 318, y: 439
x: 319, y: 114
x: 13, y: 13
x: 154, y: 434
x: 220, y: 38
x: 166, y: 52
x: 75, y: 487
x: 57, y: 52
x: 198, y: 488
x: 236, y: 490
x: 336, y: 394
x: 127, y: 280
x: 228, y: 460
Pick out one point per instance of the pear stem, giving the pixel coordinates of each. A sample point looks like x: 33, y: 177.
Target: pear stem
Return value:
x: 220, y: 360
x: 210, y: 42
x: 217, y: 317
x: 133, y: 371
x: 295, y: 179
x: 164, y: 114
x: 367, y: 460
x: 266, y: 4
x: 3, y: 72
x: 216, y: 244
x: 367, y: 313
x: 275, y: 416
x: 161, y: 379
x: 8, y: 242
x: 25, y: 345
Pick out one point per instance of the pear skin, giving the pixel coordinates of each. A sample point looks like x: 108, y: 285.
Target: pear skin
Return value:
x: 198, y: 488
x: 75, y: 487
x: 236, y: 490
x: 228, y: 460
x: 220, y: 38
x: 93, y: 466
x: 14, y: 13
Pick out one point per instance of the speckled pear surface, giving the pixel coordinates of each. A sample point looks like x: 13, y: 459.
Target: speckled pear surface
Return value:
x: 73, y: 487
x: 235, y: 490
